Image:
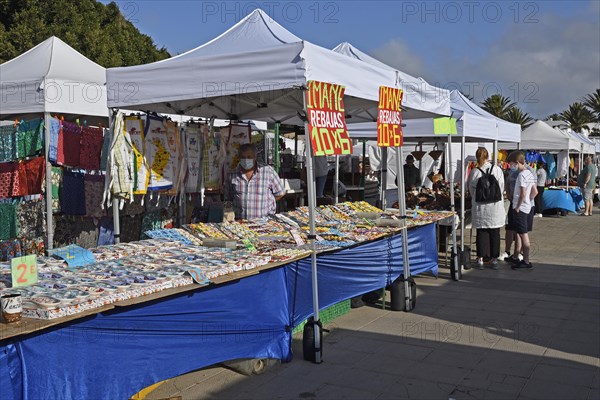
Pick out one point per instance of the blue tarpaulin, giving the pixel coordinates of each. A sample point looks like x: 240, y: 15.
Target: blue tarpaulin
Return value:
x: 558, y: 198
x: 115, y: 354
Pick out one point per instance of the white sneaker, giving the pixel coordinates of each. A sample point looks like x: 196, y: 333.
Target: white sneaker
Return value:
x: 539, y: 215
x: 520, y: 257
x: 480, y: 263
x: 503, y: 256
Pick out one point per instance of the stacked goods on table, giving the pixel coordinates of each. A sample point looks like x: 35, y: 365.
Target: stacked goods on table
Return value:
x: 178, y: 257
x: 438, y: 199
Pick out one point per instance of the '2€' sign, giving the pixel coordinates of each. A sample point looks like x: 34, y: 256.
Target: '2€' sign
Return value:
x: 24, y: 271
x: 326, y: 119
x: 389, y: 117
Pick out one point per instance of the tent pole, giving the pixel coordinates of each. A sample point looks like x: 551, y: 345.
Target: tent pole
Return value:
x: 495, y: 157
x: 336, y: 190
x: 364, y: 161
x: 462, y: 194
x: 383, y: 169
x: 310, y: 180
x: 454, y: 259
x: 49, y: 216
x: 277, y: 146
x: 402, y: 211
x: 568, y: 166
x: 115, y: 201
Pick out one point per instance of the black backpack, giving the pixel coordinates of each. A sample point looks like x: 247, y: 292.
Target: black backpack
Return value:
x: 487, y: 189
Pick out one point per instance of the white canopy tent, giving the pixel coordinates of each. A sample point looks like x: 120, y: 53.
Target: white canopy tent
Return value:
x: 50, y: 78
x: 255, y: 70
x: 541, y: 136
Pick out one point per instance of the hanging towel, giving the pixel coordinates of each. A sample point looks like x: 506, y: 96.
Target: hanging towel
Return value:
x: 134, y: 125
x: 162, y: 163
x: 10, y: 249
x: 31, y: 175
x: 31, y: 219
x: 94, y: 190
x: 550, y: 165
x: 91, y: 147
x: 56, y: 188
x: 29, y: 138
x: 9, y: 225
x: 105, y: 149
x: 8, y: 150
x: 53, y: 145
x: 72, y: 201
x: 71, y: 143
x: 193, y: 135
x: 10, y: 183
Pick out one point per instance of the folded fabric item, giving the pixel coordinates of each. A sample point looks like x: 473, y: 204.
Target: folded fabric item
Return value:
x: 31, y: 176
x: 72, y: 199
x: 85, y: 232
x: 56, y: 188
x: 10, y: 249
x: 91, y: 147
x: 34, y: 246
x: 32, y: 223
x: 170, y: 234
x: 7, y: 143
x: 9, y: 225
x: 105, y: 149
x: 10, y: 184
x: 71, y: 143
x: 131, y: 228
x: 94, y: 191
x: 53, y: 145
x: 74, y: 255
x: 29, y: 138
x: 106, y: 233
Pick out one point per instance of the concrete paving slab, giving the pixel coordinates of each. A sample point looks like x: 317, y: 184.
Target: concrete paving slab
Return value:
x: 543, y: 389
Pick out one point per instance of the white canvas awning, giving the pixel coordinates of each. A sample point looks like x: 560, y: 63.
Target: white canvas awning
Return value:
x: 52, y: 77
x: 541, y: 136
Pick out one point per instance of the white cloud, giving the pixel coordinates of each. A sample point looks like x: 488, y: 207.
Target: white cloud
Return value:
x: 398, y: 54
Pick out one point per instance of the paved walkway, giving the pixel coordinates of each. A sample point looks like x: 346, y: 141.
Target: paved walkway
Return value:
x: 495, y: 335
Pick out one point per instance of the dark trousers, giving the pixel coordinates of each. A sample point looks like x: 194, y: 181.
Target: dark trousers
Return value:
x: 538, y: 200
x: 488, y: 243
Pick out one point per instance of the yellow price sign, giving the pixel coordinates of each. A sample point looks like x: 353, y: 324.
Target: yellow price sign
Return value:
x: 444, y: 126
x: 24, y: 271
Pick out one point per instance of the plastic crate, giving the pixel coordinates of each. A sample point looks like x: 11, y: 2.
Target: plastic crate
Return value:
x: 328, y: 314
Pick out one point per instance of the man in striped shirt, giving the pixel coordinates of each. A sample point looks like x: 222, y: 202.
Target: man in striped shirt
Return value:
x: 253, y: 189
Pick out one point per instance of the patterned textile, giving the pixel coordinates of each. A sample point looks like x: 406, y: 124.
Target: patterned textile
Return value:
x: 174, y: 148
x: 64, y: 227
x: 10, y: 184
x: 60, y: 147
x: 236, y: 136
x: 193, y: 135
x: 131, y: 228
x: 54, y: 133
x: 105, y: 149
x: 7, y: 143
x: 72, y: 199
x: 254, y: 198
x: 71, y: 143
x: 31, y: 217
x: 86, y: 232
x: 119, y: 170
x: 151, y: 221
x: 91, y: 146
x: 134, y: 125
x: 56, y: 188
x: 31, y: 176
x: 106, y: 233
x: 162, y: 153
x: 9, y: 225
x: 134, y: 207
x: 170, y: 234
x: 29, y: 138
x: 33, y: 246
x: 10, y: 249
x: 212, y: 161
x: 94, y: 191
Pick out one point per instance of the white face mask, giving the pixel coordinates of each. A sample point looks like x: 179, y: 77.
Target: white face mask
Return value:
x: 247, y: 163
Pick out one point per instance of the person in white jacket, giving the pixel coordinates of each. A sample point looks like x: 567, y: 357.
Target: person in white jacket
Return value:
x: 487, y: 218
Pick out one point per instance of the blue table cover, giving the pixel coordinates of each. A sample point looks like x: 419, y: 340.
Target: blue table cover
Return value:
x: 559, y: 198
x: 115, y: 354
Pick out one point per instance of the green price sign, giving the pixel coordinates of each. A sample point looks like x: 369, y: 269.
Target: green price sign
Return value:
x: 444, y: 126
x: 24, y: 271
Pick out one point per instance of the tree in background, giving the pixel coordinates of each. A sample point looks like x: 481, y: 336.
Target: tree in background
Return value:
x: 577, y: 116
x: 99, y: 32
x: 592, y: 102
x: 497, y: 105
x: 553, y: 117
x: 517, y: 116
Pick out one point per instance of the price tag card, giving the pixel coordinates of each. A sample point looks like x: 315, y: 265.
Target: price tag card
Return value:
x: 197, y: 275
x: 444, y: 126
x: 24, y: 271
x: 297, y: 237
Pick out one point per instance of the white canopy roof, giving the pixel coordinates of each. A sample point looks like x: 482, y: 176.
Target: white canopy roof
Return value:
x: 470, y: 124
x: 418, y: 94
x: 247, y: 72
x: 52, y: 77
x: 541, y: 136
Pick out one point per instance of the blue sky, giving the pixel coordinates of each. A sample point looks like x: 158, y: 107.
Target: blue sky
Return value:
x: 543, y: 54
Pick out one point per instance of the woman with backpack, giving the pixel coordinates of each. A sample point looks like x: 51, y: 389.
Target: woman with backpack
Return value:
x: 486, y: 186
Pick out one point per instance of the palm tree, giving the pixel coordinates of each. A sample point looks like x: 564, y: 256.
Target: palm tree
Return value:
x: 592, y: 102
x: 517, y: 116
x: 497, y: 105
x: 577, y: 116
x: 553, y: 117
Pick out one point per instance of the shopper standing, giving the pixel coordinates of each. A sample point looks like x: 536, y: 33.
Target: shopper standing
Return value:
x: 486, y: 185
x: 587, y: 183
x: 541, y: 184
x: 524, y: 192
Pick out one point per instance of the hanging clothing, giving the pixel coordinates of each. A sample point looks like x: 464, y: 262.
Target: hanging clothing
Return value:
x: 94, y: 191
x: 174, y: 147
x: 105, y: 149
x: 135, y: 207
x: 60, y: 147
x: 63, y: 226
x: 86, y: 232
x: 236, y: 135
x: 562, y: 164
x: 91, y: 147
x: 9, y: 225
x: 56, y: 188
x: 31, y: 219
x: 119, y: 171
x: 106, y: 232
x: 134, y: 125
x: 31, y: 176
x: 10, y: 249
x: 72, y: 201
x: 193, y: 154
x: 550, y: 165
x: 131, y: 228
x: 35, y: 246
x: 71, y: 143
x: 53, y: 145
x: 8, y: 150
x: 10, y: 183
x: 212, y: 160
x: 29, y: 138
x: 162, y: 163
